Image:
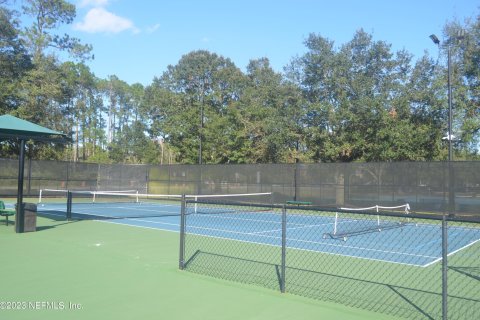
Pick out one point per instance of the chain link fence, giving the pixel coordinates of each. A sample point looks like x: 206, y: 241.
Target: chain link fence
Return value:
x: 409, y: 266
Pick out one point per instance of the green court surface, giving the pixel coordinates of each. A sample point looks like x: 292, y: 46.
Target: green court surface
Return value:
x: 98, y: 270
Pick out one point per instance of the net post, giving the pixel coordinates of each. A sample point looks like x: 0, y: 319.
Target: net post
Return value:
x: 196, y: 203
x: 181, y: 259
x: 284, y: 249
x: 69, y: 205
x: 40, y: 196
x: 335, y: 223
x: 444, y: 267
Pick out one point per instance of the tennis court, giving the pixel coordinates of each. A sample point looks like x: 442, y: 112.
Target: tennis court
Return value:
x: 99, y: 270
x: 395, y: 271
x: 304, y: 231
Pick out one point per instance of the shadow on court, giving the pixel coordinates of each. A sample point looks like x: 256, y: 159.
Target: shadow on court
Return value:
x: 408, y: 301
x: 472, y: 272
x: 52, y: 219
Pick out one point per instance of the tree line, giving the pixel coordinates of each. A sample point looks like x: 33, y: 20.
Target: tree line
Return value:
x: 357, y: 101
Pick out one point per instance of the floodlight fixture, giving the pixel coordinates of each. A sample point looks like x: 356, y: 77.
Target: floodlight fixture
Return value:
x: 435, y: 39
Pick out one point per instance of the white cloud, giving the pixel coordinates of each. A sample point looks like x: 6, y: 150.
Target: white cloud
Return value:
x: 99, y: 20
x: 92, y: 3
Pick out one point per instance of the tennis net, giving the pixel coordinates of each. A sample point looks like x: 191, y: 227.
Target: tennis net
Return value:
x: 60, y: 195
x: 122, y: 205
x: 229, y: 203
x: 355, y: 221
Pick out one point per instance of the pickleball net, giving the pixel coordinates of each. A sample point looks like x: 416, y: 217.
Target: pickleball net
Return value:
x: 356, y: 221
x: 59, y: 195
x: 97, y: 205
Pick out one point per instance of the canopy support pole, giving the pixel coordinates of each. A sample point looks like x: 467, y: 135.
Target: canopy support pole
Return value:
x: 19, y: 224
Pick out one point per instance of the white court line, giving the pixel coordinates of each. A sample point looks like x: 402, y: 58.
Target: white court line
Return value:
x: 362, y: 248
x: 451, y: 253
x: 266, y: 231
x: 229, y: 216
x: 86, y: 212
x: 135, y: 226
x: 132, y: 208
x: 233, y: 232
x: 147, y: 221
x: 303, y: 226
x: 358, y: 257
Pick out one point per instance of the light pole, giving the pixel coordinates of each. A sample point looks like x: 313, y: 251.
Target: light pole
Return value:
x: 200, y: 132
x: 451, y: 192
x: 449, y: 85
x: 451, y: 173
x: 448, y: 44
x: 205, y: 82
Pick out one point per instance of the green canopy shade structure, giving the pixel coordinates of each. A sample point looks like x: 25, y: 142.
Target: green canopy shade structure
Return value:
x: 12, y: 128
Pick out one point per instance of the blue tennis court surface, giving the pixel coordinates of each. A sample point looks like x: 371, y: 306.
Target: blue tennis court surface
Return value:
x: 415, y: 244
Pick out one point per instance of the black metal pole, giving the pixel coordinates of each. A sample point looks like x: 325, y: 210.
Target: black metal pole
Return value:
x: 295, y: 173
x: 284, y: 249
x: 449, y: 103
x: 29, y: 181
x: 451, y: 180
x: 19, y: 225
x: 181, y: 259
x: 200, y: 133
x: 444, y: 267
x: 69, y: 205
x: 451, y: 173
x: 67, y: 176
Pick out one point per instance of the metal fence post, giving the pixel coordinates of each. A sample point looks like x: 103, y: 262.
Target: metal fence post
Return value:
x: 67, y: 176
x: 29, y: 181
x: 20, y: 217
x: 295, y: 174
x: 181, y: 260
x: 284, y: 248
x: 444, y: 267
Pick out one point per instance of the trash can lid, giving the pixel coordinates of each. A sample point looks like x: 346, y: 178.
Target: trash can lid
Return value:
x: 30, y: 206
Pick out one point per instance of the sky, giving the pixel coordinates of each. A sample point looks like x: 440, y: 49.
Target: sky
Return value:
x: 137, y: 39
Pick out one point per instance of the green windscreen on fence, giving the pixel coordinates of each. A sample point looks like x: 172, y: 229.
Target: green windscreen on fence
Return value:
x: 427, y: 186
